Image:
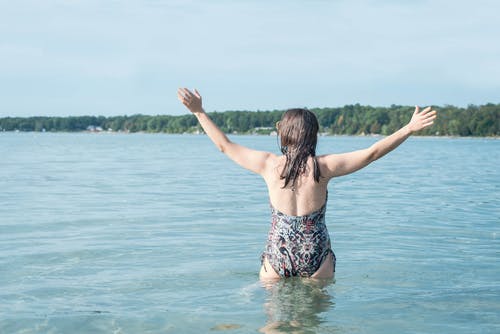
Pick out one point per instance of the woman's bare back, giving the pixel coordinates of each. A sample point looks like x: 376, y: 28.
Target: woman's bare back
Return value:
x: 304, y: 197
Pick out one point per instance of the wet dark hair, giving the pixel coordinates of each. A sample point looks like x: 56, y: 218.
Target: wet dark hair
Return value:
x: 298, y: 135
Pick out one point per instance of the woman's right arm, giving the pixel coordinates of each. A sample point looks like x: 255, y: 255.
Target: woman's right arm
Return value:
x: 346, y: 163
x: 252, y: 160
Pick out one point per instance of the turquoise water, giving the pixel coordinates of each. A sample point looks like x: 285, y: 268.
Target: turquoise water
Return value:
x: 115, y: 233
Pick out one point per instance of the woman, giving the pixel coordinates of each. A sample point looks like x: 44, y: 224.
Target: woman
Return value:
x: 298, y: 242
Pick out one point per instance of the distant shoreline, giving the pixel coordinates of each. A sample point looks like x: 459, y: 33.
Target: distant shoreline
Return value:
x: 476, y: 121
x: 241, y: 134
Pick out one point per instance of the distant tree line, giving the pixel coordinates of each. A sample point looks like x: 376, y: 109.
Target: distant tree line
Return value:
x: 347, y: 120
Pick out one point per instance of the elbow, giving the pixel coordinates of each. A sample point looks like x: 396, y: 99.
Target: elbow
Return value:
x: 223, y: 146
x: 372, y: 155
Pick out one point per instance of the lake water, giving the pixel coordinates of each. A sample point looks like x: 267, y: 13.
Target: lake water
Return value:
x: 116, y: 233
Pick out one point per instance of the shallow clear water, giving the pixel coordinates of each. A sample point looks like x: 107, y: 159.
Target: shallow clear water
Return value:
x: 115, y: 233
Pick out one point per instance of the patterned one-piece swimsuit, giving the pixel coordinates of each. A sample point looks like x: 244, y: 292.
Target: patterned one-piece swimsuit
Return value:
x: 298, y: 245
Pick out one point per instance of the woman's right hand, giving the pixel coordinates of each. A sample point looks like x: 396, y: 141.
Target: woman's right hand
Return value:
x: 191, y: 100
x: 421, y: 119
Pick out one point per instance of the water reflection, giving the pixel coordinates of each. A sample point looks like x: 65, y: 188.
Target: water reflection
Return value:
x: 294, y: 305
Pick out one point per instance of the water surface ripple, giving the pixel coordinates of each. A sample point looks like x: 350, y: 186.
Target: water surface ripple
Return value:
x: 115, y: 233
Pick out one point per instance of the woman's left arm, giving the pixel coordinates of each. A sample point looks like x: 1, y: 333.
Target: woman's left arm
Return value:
x: 252, y: 160
x: 420, y: 120
x: 346, y: 163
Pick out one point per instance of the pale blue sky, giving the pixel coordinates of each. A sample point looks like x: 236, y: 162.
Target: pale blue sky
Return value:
x: 90, y: 57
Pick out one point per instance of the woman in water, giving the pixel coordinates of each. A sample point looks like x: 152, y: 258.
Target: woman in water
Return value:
x: 298, y: 243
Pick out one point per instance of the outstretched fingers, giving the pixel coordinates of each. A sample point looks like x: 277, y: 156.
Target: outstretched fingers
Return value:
x: 425, y: 111
x: 422, y: 118
x: 428, y: 117
x: 184, y: 93
x: 191, y: 100
x: 422, y: 112
x: 197, y: 94
x: 182, y: 96
x: 417, y: 110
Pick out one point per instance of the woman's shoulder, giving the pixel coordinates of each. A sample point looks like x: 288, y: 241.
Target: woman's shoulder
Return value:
x: 326, y: 164
x: 275, y: 160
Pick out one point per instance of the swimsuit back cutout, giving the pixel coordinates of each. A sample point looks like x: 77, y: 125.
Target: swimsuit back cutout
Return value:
x: 298, y: 245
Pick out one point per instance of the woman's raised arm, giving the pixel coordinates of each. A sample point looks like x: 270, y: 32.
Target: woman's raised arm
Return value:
x: 345, y: 163
x: 255, y: 161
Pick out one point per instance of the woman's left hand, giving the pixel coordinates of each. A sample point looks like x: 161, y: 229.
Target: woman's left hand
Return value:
x: 422, y: 119
x: 191, y: 100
